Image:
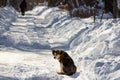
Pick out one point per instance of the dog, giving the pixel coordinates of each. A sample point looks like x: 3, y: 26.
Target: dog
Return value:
x: 67, y: 66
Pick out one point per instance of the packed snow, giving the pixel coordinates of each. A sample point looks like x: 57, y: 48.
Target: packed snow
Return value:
x: 26, y: 43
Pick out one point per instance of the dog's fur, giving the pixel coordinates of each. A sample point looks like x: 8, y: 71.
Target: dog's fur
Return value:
x: 66, y: 63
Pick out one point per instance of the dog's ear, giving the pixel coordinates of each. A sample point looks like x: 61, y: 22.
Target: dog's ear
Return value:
x: 53, y: 52
x: 59, y: 51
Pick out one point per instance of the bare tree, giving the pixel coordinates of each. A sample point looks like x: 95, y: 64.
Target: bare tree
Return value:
x: 77, y: 1
x: 3, y: 2
x: 114, y: 8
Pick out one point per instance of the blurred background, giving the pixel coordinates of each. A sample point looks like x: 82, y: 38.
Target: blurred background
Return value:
x: 74, y: 7
x: 16, y: 3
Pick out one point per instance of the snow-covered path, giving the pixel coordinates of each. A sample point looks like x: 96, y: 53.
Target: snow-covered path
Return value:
x: 15, y: 64
x: 26, y: 65
x: 33, y: 59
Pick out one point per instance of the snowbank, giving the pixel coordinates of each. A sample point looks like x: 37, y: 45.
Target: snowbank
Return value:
x: 94, y: 47
x: 99, y: 52
x: 7, y: 16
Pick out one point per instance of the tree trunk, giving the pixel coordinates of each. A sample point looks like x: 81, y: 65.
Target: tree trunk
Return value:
x: 118, y: 8
x: 115, y: 8
x: 77, y: 2
x: 2, y: 2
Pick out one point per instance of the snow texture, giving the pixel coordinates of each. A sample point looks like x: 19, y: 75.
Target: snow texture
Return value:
x: 26, y: 42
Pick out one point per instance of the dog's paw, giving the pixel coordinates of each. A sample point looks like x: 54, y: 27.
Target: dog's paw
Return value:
x: 61, y: 73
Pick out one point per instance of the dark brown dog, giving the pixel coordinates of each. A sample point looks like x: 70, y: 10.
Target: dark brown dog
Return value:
x: 66, y: 63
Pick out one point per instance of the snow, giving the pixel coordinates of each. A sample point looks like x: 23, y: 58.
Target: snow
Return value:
x: 26, y: 43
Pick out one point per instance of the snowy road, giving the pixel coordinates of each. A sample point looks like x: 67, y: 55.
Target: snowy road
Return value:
x: 33, y: 59
x: 23, y: 64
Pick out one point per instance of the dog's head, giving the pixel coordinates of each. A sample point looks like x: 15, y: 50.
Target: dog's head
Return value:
x: 56, y: 54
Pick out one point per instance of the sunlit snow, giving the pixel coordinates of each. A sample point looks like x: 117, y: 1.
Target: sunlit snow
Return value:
x: 26, y: 43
